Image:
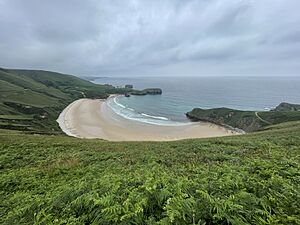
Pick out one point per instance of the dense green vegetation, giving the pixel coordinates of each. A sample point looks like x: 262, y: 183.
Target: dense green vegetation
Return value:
x: 249, y: 179
x: 31, y: 100
x: 248, y: 121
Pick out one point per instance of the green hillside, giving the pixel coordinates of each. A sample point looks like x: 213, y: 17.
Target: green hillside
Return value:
x: 284, y: 106
x: 248, y: 179
x: 31, y: 100
x: 248, y: 121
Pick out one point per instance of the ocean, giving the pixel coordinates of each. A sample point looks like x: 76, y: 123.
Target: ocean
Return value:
x: 182, y: 94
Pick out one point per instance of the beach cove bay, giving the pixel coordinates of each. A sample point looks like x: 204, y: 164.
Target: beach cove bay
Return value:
x: 182, y: 94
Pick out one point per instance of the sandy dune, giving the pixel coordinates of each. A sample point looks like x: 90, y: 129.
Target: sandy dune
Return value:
x: 87, y: 118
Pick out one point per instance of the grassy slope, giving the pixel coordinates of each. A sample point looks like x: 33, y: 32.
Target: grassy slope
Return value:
x: 249, y: 179
x: 246, y: 120
x: 39, y: 96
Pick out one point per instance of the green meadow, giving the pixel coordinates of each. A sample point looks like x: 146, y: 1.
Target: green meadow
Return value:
x: 249, y: 179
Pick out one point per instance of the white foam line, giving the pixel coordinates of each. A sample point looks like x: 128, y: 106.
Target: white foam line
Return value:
x: 124, y: 107
x: 118, y: 112
x: 155, y: 117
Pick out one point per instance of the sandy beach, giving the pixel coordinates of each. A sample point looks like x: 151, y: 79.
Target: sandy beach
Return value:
x: 93, y: 118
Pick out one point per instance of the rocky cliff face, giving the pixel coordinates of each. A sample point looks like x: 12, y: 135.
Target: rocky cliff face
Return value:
x: 148, y: 91
x: 129, y: 86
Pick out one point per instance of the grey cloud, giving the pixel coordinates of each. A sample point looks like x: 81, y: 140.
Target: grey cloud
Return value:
x: 151, y: 37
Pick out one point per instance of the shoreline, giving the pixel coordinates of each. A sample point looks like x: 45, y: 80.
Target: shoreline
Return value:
x: 93, y: 118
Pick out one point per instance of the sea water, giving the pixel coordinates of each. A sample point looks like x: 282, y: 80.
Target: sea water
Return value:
x: 182, y: 94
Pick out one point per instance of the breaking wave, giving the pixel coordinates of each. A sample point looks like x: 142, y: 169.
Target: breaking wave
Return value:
x: 132, y: 114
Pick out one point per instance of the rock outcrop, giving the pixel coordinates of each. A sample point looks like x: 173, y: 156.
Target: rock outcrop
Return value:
x: 129, y: 86
x: 148, y: 91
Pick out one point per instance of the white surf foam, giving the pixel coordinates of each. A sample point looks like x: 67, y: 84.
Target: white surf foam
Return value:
x: 131, y: 114
x: 119, y: 104
x: 155, y: 117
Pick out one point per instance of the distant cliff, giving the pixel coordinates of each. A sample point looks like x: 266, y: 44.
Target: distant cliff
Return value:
x: 147, y: 91
x: 248, y: 121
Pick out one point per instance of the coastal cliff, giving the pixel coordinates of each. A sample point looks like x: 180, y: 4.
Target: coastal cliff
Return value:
x: 147, y: 91
x: 248, y: 121
x: 244, y: 120
x: 284, y: 106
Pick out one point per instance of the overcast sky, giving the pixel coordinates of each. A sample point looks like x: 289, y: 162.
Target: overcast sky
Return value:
x: 152, y: 37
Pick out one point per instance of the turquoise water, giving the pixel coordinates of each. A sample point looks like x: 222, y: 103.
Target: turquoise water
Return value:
x: 182, y: 94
